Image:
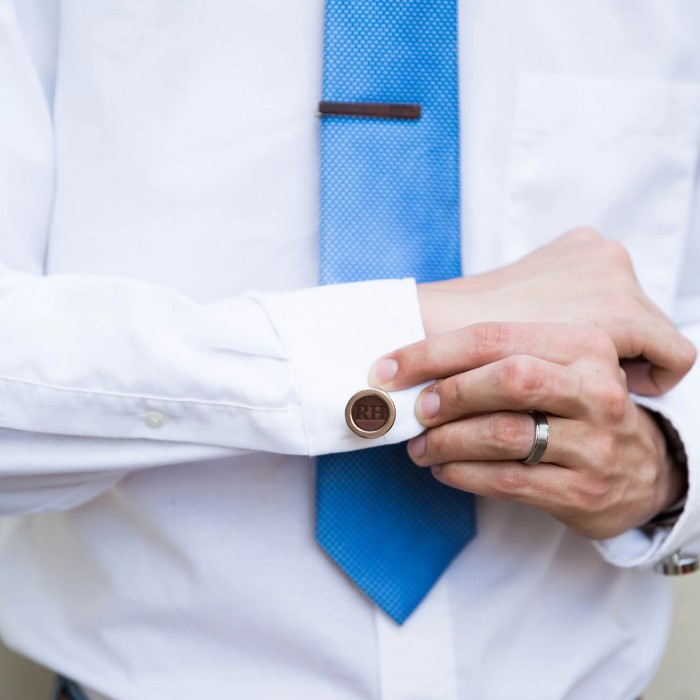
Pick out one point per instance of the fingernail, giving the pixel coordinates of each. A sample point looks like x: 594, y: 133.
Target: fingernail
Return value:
x: 417, y: 446
x: 436, y: 469
x: 384, y: 371
x: 429, y: 404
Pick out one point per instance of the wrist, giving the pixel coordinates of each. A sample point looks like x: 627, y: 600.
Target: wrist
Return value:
x: 435, y: 306
x: 449, y: 305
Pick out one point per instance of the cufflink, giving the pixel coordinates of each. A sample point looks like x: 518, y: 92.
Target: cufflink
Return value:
x: 370, y: 413
x: 678, y: 564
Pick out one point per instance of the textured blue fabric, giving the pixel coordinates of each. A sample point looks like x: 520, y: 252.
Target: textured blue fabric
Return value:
x: 390, y: 209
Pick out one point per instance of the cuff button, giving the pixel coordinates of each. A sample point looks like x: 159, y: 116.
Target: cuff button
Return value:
x: 370, y: 413
x: 154, y: 419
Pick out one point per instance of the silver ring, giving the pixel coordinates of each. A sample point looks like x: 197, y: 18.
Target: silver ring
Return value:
x: 539, y: 444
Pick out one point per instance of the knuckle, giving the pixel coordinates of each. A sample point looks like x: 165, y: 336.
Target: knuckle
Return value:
x: 509, y: 482
x: 521, y: 378
x: 593, y: 496
x: 585, y: 234
x: 506, y: 430
x: 649, y: 478
x: 614, y: 401
x: 617, y: 253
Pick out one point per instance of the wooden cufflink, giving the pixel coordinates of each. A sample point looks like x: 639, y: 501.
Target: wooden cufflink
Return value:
x: 370, y: 413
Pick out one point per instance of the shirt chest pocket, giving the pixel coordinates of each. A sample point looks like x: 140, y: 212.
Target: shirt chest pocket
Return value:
x: 619, y: 156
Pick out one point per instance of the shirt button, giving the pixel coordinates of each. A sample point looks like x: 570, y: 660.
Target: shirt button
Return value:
x: 370, y: 413
x: 154, y: 419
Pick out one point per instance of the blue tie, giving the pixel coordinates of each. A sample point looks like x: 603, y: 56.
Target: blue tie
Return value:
x: 390, y: 209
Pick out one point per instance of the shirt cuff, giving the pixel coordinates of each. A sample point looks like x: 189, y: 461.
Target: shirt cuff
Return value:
x: 343, y: 329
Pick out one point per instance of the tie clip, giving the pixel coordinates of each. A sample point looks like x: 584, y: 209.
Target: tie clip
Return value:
x: 381, y: 110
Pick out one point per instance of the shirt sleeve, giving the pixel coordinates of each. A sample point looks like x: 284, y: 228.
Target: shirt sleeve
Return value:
x: 100, y: 375
x: 111, y: 357
x: 682, y: 408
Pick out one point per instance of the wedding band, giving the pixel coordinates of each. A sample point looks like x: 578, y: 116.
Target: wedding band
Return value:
x: 539, y: 444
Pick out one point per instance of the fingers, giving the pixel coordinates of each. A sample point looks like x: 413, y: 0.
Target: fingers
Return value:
x: 542, y: 485
x: 517, y: 383
x: 482, y: 343
x: 665, y: 357
x: 638, y: 376
x: 502, y: 436
x: 586, y: 504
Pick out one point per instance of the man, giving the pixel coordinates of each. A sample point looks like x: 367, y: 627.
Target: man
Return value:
x: 159, y: 161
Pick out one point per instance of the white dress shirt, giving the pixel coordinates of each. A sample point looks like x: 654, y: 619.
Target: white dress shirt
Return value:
x: 167, y: 368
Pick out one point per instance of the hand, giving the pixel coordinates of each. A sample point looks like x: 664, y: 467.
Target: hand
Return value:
x: 605, y: 469
x: 578, y: 278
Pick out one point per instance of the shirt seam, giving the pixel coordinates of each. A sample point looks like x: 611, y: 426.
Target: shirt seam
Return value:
x: 145, y: 397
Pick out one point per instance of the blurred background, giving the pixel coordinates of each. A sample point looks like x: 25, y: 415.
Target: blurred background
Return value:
x: 677, y: 679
